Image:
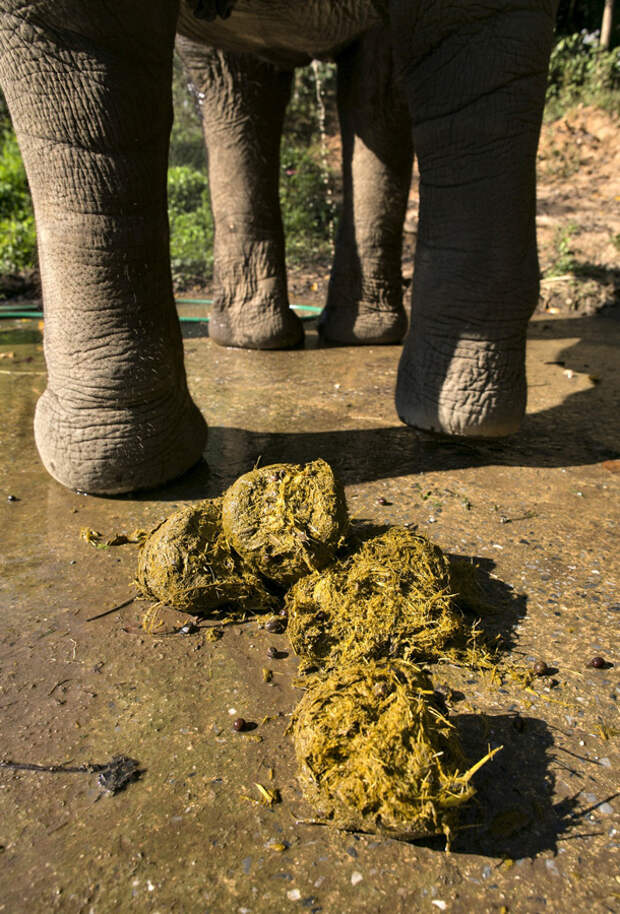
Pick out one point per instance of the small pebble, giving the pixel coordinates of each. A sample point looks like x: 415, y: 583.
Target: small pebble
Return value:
x: 188, y: 629
x: 599, y: 663
x: 239, y: 724
x: 275, y: 626
x: 383, y: 501
x: 540, y: 668
x: 12, y: 498
x: 272, y: 653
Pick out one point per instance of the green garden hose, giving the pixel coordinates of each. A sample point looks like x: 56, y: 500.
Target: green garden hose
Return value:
x: 10, y: 313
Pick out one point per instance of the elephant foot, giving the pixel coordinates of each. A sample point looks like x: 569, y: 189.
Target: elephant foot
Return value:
x: 107, y: 450
x: 467, y: 387
x: 363, y: 310
x: 256, y: 325
x: 360, y: 324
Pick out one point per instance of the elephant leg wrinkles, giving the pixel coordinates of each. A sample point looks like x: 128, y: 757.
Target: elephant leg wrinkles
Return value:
x: 364, y: 301
x: 475, y: 80
x: 242, y: 102
x: 92, y: 109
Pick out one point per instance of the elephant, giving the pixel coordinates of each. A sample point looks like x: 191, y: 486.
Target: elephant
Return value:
x: 241, y: 99
x: 88, y: 86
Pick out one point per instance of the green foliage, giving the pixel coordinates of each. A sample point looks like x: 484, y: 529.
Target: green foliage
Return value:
x: 189, y: 213
x: 17, y: 231
x: 564, y: 261
x: 186, y: 141
x: 191, y: 226
x: 307, y: 210
x: 581, y: 72
x: 306, y: 181
x: 302, y: 116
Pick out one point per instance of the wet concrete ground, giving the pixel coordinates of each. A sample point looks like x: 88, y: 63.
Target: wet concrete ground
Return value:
x: 539, y: 513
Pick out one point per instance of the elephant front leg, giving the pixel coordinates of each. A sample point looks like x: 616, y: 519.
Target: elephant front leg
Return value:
x: 365, y: 298
x: 242, y: 102
x: 88, y: 86
x: 475, y: 76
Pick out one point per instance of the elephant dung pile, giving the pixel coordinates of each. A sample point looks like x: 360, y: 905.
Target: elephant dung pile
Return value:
x: 286, y: 520
x: 185, y: 562
x: 272, y: 526
x: 376, y: 754
x: 374, y: 750
x: 390, y: 598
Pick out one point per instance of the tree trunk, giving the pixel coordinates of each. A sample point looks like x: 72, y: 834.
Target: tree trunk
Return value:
x: 608, y: 15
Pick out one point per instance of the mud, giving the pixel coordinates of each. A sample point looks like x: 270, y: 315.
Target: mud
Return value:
x: 539, y: 513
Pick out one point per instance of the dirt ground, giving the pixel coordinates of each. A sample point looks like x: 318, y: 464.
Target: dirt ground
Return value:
x: 538, y: 512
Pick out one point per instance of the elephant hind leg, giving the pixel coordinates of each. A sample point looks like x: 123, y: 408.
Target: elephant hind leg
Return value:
x: 364, y: 301
x: 242, y: 103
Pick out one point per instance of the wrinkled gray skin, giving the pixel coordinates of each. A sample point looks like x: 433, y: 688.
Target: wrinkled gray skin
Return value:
x: 242, y: 100
x: 88, y: 84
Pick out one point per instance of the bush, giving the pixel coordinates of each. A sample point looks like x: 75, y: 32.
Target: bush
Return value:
x: 307, y: 209
x: 18, y: 244
x: 581, y: 72
x: 302, y: 115
x: 191, y: 226
x: 186, y: 141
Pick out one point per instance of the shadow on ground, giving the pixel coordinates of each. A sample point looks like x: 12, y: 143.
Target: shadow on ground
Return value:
x: 514, y: 814
x: 498, y: 607
x: 578, y: 431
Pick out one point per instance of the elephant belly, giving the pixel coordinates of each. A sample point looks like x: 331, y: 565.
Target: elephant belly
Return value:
x: 288, y: 34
